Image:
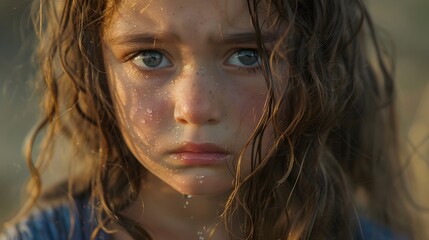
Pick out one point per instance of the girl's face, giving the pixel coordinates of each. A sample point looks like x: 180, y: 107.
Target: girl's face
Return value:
x: 187, y: 88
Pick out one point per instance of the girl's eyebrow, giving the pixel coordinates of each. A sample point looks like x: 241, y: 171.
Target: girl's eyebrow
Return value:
x: 143, y: 38
x: 228, y: 38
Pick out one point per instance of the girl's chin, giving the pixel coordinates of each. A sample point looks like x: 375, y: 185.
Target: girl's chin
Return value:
x: 201, y: 185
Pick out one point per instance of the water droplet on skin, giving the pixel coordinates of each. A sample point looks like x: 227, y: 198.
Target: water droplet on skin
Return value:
x: 200, y: 235
x: 143, y: 121
x: 149, y: 110
x: 186, y: 196
x: 200, y: 177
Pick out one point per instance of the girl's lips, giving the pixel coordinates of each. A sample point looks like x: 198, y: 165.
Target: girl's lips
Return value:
x: 200, y: 158
x: 199, y: 154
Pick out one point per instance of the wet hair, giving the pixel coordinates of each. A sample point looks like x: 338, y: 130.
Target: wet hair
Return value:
x: 330, y: 105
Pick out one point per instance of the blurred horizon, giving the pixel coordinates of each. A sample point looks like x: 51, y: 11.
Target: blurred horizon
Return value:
x: 404, y: 21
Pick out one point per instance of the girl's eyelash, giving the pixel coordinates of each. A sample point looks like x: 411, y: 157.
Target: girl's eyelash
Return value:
x: 250, y: 70
x: 136, y: 53
x: 132, y: 55
x: 235, y: 59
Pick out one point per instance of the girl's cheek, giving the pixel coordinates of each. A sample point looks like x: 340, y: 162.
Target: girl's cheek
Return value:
x: 147, y: 112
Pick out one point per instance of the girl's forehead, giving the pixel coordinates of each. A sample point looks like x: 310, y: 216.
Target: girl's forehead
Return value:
x: 187, y: 17
x: 228, y: 8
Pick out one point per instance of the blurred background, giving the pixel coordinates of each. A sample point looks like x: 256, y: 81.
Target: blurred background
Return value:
x: 406, y: 23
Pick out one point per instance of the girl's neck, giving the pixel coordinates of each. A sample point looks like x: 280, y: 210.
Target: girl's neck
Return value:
x: 161, y: 209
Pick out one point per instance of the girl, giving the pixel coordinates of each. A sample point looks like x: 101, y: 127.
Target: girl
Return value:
x: 214, y: 119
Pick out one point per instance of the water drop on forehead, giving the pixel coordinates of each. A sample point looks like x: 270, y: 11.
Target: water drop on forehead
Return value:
x: 186, y: 196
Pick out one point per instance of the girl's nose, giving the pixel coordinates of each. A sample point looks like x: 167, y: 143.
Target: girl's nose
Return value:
x: 197, y: 99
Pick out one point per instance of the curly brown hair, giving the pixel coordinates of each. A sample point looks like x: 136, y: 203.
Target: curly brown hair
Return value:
x: 336, y: 147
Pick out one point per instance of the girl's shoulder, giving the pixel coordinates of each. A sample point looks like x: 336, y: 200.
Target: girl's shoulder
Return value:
x: 64, y: 220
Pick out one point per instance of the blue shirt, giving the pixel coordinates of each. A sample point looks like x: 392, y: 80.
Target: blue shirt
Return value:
x: 54, y: 223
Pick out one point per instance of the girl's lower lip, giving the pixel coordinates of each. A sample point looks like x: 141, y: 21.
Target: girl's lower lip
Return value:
x: 199, y: 159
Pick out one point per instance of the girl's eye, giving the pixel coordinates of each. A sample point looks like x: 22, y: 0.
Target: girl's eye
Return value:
x: 151, y: 59
x: 244, y: 58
